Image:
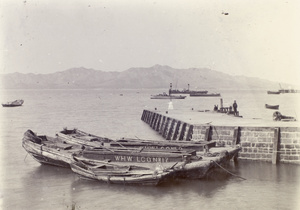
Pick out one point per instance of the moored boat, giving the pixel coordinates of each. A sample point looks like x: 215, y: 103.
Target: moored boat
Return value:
x: 205, y: 94
x: 15, y: 103
x: 268, y: 106
x: 273, y: 92
x: 186, y: 91
x: 76, y: 136
x: 166, y: 96
x: 49, y: 150
x: 118, y: 174
x: 125, y: 165
x: 289, y: 91
x: 56, y: 151
x: 185, y: 165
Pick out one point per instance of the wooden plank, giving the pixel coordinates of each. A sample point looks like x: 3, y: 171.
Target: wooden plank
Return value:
x: 276, y: 143
x: 166, y: 128
x: 158, y: 122
x: 161, y: 130
x: 176, y: 130
x: 170, y: 132
x: 153, y: 120
x: 236, y: 136
x: 189, y: 133
x: 207, y: 134
x: 182, y: 132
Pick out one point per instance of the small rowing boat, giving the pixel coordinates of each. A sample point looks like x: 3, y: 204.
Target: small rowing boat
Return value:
x: 49, y: 150
x: 273, y: 92
x: 271, y: 106
x: 15, y: 103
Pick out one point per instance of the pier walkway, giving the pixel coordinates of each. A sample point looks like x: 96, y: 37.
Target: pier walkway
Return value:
x: 266, y: 140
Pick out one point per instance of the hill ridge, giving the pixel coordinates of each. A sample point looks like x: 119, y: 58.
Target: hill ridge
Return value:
x: 157, y: 76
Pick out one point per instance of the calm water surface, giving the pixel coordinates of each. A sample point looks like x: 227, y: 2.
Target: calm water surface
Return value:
x: 25, y: 184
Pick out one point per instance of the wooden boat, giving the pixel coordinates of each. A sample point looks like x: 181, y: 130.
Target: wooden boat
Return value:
x: 184, y: 166
x: 15, y: 103
x: 289, y: 91
x: 118, y: 174
x: 186, y: 91
x: 273, y: 92
x: 56, y: 151
x: 205, y: 95
x: 76, y: 136
x: 49, y: 150
x: 166, y: 96
x: 124, y: 165
x: 271, y: 106
x: 207, y: 163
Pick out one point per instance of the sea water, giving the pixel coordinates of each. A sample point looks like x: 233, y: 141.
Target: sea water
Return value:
x: 25, y: 184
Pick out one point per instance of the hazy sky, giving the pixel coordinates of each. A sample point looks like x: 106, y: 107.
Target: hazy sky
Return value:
x: 259, y: 38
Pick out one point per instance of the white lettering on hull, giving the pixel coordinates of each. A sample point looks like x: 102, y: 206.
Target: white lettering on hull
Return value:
x: 141, y: 159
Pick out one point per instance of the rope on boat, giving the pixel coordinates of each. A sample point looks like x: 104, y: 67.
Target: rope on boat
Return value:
x: 25, y: 157
x: 217, y: 133
x: 227, y: 170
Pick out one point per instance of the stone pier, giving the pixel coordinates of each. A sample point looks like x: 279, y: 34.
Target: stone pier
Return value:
x: 276, y: 142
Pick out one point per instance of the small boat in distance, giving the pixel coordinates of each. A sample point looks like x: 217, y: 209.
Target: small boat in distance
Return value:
x: 273, y: 92
x: 166, y: 96
x: 184, y: 91
x: 289, y: 90
x: 18, y: 102
x: 205, y: 94
x: 271, y: 106
x: 187, y: 91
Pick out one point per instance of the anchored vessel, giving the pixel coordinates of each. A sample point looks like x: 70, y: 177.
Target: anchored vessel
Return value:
x: 205, y: 94
x: 76, y: 136
x: 124, y: 165
x: 268, y: 106
x: 187, y: 91
x: 166, y: 96
x: 18, y: 102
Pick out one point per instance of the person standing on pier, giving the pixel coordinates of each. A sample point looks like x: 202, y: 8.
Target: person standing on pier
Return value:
x: 234, y: 105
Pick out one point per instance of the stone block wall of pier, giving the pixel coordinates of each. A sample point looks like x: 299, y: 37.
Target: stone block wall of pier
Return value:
x: 272, y: 144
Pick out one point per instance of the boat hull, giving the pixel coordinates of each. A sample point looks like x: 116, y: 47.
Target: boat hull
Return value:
x: 201, y: 168
x: 273, y: 92
x: 168, y: 97
x: 205, y: 95
x: 79, y: 137
x: 51, y: 152
x: 136, y: 177
x: 14, y: 103
x: 126, y: 166
x: 188, y: 92
x: 196, y: 167
x: 276, y: 107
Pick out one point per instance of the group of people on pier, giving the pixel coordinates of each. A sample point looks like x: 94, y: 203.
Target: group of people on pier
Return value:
x: 228, y: 110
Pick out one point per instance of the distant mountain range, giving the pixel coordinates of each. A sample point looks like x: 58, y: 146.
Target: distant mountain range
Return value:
x: 136, y: 78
